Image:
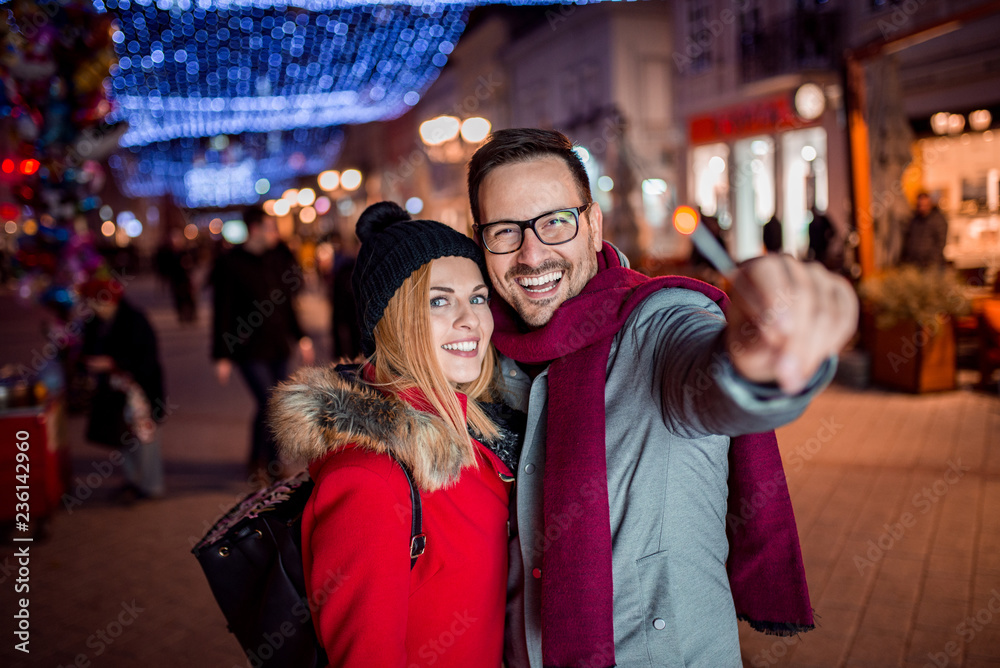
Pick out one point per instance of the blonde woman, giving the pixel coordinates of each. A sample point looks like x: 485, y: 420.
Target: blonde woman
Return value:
x: 426, y: 327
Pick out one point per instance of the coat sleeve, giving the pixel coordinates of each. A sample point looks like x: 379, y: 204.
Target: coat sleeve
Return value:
x: 360, y: 572
x: 145, y: 363
x: 699, y: 391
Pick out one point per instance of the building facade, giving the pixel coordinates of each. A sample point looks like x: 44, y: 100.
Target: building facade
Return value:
x: 759, y: 92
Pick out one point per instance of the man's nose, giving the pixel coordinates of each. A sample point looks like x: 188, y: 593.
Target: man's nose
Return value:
x: 532, y: 252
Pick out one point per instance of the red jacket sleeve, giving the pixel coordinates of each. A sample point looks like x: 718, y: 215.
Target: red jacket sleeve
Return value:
x: 360, y: 574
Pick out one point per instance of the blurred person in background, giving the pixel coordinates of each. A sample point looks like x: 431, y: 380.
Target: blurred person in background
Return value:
x: 345, y: 334
x: 772, y: 233
x: 174, y: 263
x: 925, y: 237
x: 420, y: 398
x: 254, y: 325
x: 120, y: 351
x: 821, y: 235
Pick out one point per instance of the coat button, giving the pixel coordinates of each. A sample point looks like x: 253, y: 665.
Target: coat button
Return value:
x: 513, y: 373
x: 659, y: 624
x: 536, y: 572
x: 529, y: 469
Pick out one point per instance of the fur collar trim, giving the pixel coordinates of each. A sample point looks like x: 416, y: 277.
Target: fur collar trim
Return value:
x: 319, y: 411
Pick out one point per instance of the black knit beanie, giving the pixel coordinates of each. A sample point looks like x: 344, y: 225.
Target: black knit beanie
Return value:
x: 393, y: 246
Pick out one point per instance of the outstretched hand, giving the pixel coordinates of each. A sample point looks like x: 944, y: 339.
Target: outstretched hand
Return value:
x: 786, y: 318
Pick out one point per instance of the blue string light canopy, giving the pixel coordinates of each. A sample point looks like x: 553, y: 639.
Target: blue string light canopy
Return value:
x: 223, y: 170
x: 208, y: 68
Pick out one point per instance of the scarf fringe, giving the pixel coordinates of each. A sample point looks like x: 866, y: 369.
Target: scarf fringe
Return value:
x: 784, y: 629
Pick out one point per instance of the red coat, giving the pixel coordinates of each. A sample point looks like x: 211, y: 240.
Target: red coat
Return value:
x: 370, y: 609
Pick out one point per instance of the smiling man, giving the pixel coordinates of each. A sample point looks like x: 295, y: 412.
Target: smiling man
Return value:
x: 649, y: 411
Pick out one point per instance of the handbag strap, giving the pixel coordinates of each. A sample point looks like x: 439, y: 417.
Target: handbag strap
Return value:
x: 418, y: 541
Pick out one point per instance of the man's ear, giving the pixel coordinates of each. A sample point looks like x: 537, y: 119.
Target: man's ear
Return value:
x: 596, y: 219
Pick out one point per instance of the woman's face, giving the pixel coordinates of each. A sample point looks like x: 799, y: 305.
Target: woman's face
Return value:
x: 461, y: 322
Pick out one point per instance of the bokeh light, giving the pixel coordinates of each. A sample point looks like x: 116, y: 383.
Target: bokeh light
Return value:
x: 282, y: 207
x: 475, y: 129
x: 329, y: 180
x: 306, y: 197
x: 234, y: 231
x: 414, y: 205
x: 350, y: 179
x: 685, y: 219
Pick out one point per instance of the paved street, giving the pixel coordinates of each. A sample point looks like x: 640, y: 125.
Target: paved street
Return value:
x: 897, y: 499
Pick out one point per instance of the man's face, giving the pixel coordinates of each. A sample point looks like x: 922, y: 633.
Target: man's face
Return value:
x: 104, y: 308
x: 521, y: 191
x: 267, y: 232
x: 923, y: 205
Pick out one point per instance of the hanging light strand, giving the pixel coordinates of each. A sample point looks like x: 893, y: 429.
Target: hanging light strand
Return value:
x: 236, y: 68
x: 199, y: 176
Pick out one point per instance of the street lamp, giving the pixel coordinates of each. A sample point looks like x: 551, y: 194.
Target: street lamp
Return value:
x: 439, y: 130
x: 451, y: 139
x: 980, y: 119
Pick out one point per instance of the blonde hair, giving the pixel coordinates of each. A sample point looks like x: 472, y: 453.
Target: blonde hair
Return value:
x: 405, y: 358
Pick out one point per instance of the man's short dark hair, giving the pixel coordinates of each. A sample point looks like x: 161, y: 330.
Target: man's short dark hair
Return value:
x: 253, y: 216
x: 505, y: 147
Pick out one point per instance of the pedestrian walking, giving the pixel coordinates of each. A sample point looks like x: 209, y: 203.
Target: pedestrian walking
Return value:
x: 925, y: 237
x: 345, y: 335
x: 254, y: 325
x: 772, y: 233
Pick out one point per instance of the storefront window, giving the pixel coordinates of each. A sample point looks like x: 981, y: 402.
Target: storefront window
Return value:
x: 753, y: 188
x: 804, y: 183
x: 709, y: 164
x: 963, y: 177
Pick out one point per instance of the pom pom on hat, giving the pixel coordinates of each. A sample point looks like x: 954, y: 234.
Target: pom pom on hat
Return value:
x: 377, y: 218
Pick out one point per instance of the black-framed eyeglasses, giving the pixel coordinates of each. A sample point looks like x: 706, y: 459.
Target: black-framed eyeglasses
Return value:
x: 552, y: 228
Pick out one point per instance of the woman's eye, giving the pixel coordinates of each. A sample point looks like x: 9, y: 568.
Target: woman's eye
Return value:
x: 479, y: 299
x: 439, y: 301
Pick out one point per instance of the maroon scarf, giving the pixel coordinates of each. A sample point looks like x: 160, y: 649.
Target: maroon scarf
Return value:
x: 765, y: 564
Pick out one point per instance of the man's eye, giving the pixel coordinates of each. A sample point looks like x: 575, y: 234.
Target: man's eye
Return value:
x: 503, y: 230
x: 559, y: 220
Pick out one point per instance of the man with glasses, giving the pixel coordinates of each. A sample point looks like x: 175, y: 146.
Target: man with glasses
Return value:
x: 651, y: 507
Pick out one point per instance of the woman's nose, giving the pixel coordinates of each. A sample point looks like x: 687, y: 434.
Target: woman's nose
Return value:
x: 466, y: 317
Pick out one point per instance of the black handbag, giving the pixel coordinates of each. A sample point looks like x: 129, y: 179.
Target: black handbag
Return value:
x: 106, y: 423
x: 252, y: 558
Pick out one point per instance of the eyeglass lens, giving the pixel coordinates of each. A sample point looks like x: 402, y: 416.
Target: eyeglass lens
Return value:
x: 554, y: 228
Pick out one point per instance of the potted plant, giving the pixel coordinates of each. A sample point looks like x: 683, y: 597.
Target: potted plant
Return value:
x: 909, y: 328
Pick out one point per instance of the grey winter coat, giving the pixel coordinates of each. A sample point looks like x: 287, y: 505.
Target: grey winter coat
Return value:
x: 671, y: 401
